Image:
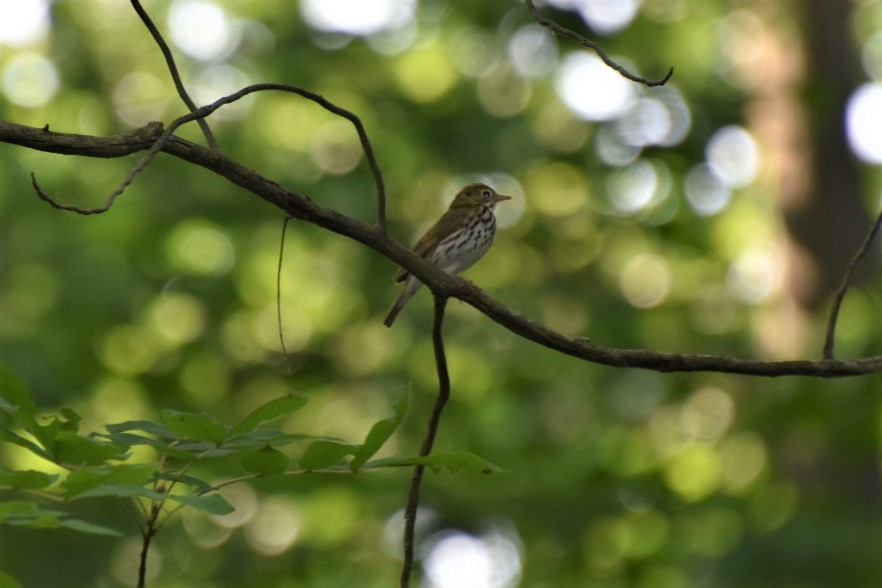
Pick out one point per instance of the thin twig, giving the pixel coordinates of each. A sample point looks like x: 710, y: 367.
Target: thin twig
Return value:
x: 829, y: 339
x: 279, y: 294
x: 204, y: 111
x: 173, y: 70
x: 594, y: 46
x: 413, y: 498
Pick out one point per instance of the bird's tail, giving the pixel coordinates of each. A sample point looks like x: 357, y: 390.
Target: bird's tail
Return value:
x: 410, y: 288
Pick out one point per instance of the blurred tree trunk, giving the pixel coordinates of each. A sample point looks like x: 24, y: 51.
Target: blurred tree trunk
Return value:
x: 828, y: 221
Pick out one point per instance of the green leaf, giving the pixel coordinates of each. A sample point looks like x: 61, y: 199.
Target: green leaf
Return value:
x: 380, y: 433
x: 17, y: 509
x: 198, y: 427
x: 91, y: 528
x: 15, y: 439
x: 122, y: 491
x: 453, y: 462
x: 269, y: 411
x: 324, y: 454
x: 25, y: 479
x: 73, y: 449
x: 7, y: 581
x: 47, y: 434
x: 156, y: 429
x: 210, y: 503
x: 14, y: 391
x: 200, y: 485
x: 265, y: 461
x: 80, y: 481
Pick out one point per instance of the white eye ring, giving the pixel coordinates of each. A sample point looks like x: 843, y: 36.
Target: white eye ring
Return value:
x: 486, y: 194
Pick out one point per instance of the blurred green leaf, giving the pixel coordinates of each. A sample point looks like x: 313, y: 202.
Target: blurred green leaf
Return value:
x: 324, y: 454
x: 25, y: 479
x: 7, y: 581
x: 157, y: 429
x: 82, y: 480
x: 14, y: 392
x: 211, y: 503
x: 380, y: 433
x: 265, y: 461
x: 454, y: 462
x: 198, y: 427
x: 86, y: 527
x: 73, y: 449
x: 271, y: 410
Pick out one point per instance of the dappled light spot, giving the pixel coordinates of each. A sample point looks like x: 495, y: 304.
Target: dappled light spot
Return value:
x: 474, y: 51
x: 633, y: 188
x: 23, y: 22
x: 28, y: 292
x: 425, y: 75
x: 612, y: 148
x: 707, y: 414
x: 124, y: 563
x: 202, y: 29
x: 863, y: 122
x: 694, y: 473
x: 712, y: 531
x: 502, y: 93
x: 29, y: 80
x: 557, y: 189
x: 774, y: 506
x: 221, y: 79
x: 734, y: 156
x: 335, y: 148
x: 706, y: 192
x: 645, y: 280
x: 744, y: 458
x: 200, y: 247
x: 647, y: 122
x: 756, y: 274
x: 275, y: 526
x: 603, y: 16
x: 177, y: 316
x: 204, y: 530
x: 141, y: 97
x: 591, y: 89
x: 246, y: 502
x: 115, y: 399
x: 130, y: 349
x: 205, y: 380
x: 532, y: 51
x: 458, y: 560
x: 557, y: 129
x: 357, y: 17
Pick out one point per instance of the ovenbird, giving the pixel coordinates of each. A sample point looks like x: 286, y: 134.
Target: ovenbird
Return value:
x: 461, y: 237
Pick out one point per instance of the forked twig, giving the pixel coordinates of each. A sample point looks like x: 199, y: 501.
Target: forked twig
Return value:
x: 207, y: 110
x: 413, y: 498
x: 173, y: 70
x: 829, y: 339
x: 594, y: 46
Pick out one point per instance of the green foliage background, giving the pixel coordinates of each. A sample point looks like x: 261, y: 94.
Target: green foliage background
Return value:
x: 616, y: 477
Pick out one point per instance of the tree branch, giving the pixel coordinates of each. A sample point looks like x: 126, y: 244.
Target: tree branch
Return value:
x: 413, y: 498
x: 563, y: 31
x: 303, y: 208
x: 829, y: 339
x: 173, y: 70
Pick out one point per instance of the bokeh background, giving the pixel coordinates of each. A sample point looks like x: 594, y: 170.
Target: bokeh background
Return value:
x: 712, y: 215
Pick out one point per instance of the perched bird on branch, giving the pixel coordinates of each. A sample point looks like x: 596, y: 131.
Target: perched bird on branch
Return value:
x: 461, y: 237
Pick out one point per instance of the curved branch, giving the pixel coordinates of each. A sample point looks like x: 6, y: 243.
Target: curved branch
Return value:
x: 829, y: 339
x: 303, y: 208
x: 563, y: 31
x: 173, y: 70
x: 413, y: 497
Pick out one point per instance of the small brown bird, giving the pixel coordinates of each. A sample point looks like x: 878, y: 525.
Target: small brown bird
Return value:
x: 461, y: 237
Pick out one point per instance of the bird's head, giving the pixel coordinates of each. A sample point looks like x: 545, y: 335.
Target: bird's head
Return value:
x: 477, y: 195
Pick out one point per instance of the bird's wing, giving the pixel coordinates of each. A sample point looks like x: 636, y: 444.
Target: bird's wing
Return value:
x: 450, y: 221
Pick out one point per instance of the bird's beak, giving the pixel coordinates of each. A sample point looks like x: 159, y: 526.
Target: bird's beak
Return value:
x: 501, y: 197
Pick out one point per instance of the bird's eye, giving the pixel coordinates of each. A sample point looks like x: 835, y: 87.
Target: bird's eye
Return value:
x: 486, y: 194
